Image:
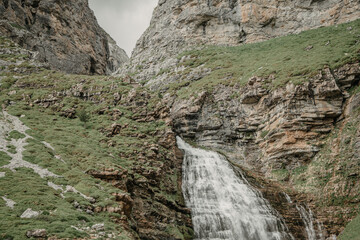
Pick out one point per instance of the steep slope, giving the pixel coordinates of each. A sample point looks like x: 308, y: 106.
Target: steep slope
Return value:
x: 285, y: 111
x: 115, y: 175
x: 270, y: 107
x: 64, y: 33
x: 178, y: 24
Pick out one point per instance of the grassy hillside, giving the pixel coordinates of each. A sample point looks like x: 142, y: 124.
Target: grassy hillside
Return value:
x: 294, y: 58
x: 121, y: 135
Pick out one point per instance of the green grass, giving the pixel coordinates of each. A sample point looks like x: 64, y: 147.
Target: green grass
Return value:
x: 286, y: 58
x: 11, y: 148
x: 82, y: 148
x: 16, y: 135
x: 280, y: 174
x: 58, y: 214
x: 352, y: 230
x: 4, y: 158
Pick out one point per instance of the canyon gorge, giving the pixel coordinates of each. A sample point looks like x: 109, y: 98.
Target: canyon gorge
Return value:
x: 232, y: 119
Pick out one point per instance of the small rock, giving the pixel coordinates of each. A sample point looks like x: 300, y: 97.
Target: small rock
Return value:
x: 2, y: 174
x: 10, y: 203
x: 29, y: 213
x: 98, y: 227
x: 308, y: 48
x: 76, y: 204
x: 37, y: 233
x: 88, y: 211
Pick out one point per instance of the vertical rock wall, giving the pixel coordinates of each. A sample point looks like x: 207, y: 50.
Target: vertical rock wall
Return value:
x: 65, y: 33
x: 178, y: 24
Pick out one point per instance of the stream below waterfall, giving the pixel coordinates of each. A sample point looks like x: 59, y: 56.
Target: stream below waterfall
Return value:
x: 222, y: 203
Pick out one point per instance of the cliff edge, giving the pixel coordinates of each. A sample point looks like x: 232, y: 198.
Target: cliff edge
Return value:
x: 64, y: 33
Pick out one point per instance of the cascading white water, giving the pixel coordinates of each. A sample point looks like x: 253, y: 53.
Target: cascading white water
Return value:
x: 222, y: 203
x: 308, y: 220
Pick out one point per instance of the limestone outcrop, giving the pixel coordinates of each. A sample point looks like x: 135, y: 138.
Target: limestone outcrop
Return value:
x: 64, y: 33
x: 177, y: 25
x: 267, y: 130
x: 274, y: 133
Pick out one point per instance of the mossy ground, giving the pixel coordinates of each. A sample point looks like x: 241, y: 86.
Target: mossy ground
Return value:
x: 294, y: 58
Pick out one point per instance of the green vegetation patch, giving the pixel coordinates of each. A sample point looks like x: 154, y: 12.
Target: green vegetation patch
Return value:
x: 4, y: 158
x: 16, y: 135
x: 280, y: 174
x: 79, y: 126
x: 57, y: 216
x: 11, y: 148
x: 294, y: 58
x: 352, y: 230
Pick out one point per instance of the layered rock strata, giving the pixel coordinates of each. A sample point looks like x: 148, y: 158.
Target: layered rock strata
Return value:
x: 280, y: 131
x: 264, y: 129
x: 177, y: 25
x: 64, y: 33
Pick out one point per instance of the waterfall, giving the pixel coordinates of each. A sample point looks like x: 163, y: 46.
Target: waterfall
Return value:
x: 308, y: 220
x: 222, y: 203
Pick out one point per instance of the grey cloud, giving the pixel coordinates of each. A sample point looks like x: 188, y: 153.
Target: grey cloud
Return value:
x: 124, y: 20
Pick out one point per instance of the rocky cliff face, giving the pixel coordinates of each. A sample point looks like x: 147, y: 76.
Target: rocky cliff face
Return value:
x: 178, y: 24
x: 65, y: 33
x: 267, y: 130
x: 278, y: 133
x: 279, y: 113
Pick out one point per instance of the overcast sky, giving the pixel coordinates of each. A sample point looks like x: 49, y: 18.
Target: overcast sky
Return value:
x: 124, y: 20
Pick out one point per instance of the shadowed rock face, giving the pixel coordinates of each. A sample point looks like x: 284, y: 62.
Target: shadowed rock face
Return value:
x: 178, y: 24
x: 65, y: 33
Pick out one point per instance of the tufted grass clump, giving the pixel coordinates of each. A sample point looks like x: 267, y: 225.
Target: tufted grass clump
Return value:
x: 16, y: 135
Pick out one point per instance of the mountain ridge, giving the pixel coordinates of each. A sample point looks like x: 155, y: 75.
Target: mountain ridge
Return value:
x: 65, y: 34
